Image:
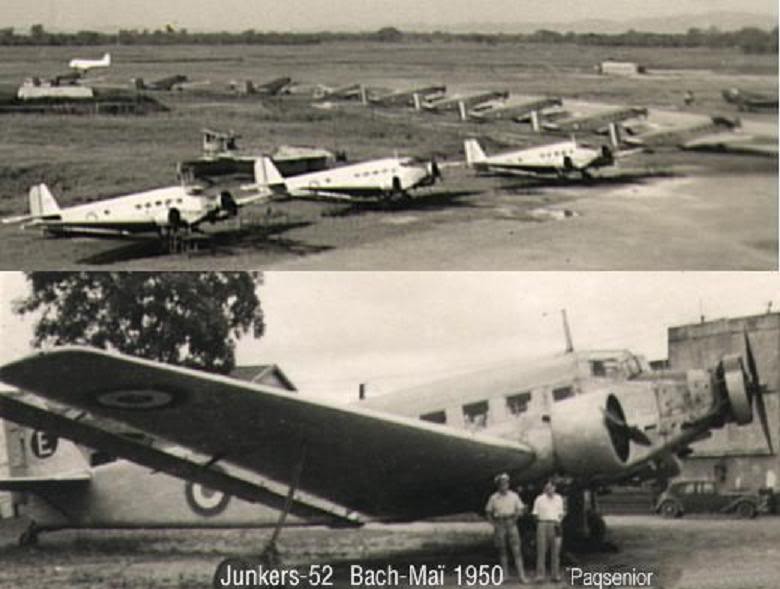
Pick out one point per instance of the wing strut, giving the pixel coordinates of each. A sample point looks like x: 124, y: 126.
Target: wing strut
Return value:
x: 270, y: 553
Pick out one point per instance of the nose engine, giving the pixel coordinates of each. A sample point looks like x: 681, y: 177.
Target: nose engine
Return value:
x: 590, y: 435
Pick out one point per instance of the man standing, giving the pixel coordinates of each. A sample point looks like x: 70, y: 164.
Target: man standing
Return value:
x: 549, y: 511
x: 503, y: 509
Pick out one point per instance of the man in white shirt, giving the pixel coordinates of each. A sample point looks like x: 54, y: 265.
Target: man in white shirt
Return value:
x: 503, y: 509
x: 549, y: 510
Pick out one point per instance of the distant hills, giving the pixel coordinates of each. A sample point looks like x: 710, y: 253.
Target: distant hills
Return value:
x: 725, y: 21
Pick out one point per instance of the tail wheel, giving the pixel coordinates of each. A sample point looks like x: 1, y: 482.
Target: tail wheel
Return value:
x: 670, y: 509
x: 746, y: 510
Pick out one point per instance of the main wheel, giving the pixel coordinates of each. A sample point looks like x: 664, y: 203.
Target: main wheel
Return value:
x: 670, y: 509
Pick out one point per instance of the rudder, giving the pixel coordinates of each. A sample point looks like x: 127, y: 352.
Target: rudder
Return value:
x: 42, y: 202
x: 474, y: 152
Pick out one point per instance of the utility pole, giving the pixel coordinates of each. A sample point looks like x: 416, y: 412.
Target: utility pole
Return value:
x: 362, y: 391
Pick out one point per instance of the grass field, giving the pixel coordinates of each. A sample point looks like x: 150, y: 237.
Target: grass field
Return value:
x: 85, y: 157
x: 691, y: 553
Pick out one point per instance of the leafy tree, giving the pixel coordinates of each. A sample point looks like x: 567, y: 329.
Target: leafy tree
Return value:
x: 186, y: 318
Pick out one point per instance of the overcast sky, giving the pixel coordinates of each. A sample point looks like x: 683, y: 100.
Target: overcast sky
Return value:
x: 341, y: 14
x: 331, y: 331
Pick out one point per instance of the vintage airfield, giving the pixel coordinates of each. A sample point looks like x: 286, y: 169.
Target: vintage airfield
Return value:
x: 691, y: 553
x: 666, y: 210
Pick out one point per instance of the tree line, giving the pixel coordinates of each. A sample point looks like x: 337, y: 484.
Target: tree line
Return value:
x: 748, y: 39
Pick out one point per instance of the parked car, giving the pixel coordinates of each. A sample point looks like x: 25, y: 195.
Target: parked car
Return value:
x: 703, y: 496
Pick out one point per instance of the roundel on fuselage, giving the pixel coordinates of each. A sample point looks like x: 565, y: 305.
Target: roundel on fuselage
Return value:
x: 204, y: 501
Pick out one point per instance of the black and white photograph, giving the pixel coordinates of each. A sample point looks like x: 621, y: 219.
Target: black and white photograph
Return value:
x: 389, y: 135
x: 407, y: 294
x: 383, y: 429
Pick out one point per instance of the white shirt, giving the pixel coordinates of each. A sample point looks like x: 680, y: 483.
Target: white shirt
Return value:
x: 549, y: 508
x: 504, y: 504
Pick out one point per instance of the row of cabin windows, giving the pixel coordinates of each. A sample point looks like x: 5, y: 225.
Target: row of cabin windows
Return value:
x: 374, y: 173
x: 167, y: 202
x: 475, y: 415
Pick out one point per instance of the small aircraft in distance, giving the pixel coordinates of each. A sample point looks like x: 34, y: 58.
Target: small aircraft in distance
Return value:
x: 466, y: 102
x: 533, y: 110
x: 385, y: 178
x: 415, y: 97
x: 750, y: 101
x: 273, y: 87
x: 597, y: 122
x: 563, y: 159
x: 84, y: 65
x: 171, y: 211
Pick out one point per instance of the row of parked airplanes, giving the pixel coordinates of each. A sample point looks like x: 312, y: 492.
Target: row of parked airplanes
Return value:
x: 488, y: 105
x: 182, y: 208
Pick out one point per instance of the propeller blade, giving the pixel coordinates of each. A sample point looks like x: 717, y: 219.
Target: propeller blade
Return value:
x: 757, y: 392
x: 632, y: 432
x: 751, y: 362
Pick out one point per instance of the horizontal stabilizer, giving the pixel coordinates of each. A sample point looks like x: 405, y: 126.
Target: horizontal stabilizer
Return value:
x: 45, y: 483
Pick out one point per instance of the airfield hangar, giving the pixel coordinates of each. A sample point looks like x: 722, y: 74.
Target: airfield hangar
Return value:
x: 735, y: 456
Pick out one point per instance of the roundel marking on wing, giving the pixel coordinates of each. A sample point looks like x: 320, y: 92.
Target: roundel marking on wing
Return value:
x: 136, y: 399
x: 43, y: 444
x: 204, y: 501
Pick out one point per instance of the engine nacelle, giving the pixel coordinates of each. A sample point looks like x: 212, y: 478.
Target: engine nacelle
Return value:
x: 585, y: 443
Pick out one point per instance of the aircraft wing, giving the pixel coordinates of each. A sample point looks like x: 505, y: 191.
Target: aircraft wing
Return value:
x: 387, y: 466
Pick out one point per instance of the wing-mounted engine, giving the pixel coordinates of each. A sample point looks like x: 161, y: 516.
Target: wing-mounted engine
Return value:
x: 590, y: 436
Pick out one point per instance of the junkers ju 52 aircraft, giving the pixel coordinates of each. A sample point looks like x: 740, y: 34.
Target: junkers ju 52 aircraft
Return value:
x: 428, y: 451
x: 170, y: 212
x: 564, y: 159
x: 385, y: 178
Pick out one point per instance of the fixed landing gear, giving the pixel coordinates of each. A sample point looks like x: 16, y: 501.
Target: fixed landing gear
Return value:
x: 584, y: 527
x: 30, y: 536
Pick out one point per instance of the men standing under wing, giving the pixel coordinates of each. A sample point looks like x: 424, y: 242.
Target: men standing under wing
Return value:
x: 503, y: 510
x: 549, y: 510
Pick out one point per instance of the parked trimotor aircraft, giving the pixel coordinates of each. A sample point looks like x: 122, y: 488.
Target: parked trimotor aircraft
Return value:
x: 385, y: 178
x: 167, y: 84
x: 750, y: 101
x: 348, y: 92
x: 564, y: 159
x: 596, y: 122
x: 463, y: 103
x: 84, y: 65
x: 415, y: 97
x: 167, y: 211
x: 679, y: 135
x: 271, y: 88
x: 532, y: 110
x: 429, y: 451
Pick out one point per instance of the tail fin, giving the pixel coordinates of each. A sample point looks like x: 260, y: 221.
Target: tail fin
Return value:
x: 474, y: 153
x: 106, y: 59
x: 267, y: 174
x: 615, y: 138
x: 42, y: 203
x: 36, y: 453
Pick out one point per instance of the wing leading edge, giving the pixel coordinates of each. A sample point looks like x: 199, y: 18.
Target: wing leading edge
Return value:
x: 387, y: 466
